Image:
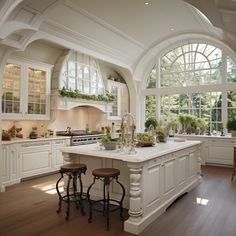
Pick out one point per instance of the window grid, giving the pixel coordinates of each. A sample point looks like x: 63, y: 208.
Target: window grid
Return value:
x: 81, y: 73
x: 184, y: 65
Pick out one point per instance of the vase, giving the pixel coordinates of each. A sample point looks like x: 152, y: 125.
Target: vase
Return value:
x: 233, y: 133
x: 110, y: 145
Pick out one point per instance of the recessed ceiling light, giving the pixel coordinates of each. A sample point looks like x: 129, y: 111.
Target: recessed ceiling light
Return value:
x: 147, y: 3
x: 172, y: 29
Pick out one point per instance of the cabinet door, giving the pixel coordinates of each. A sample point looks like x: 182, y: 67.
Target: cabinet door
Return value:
x: 11, y: 89
x: 120, y: 105
x: 26, y: 90
x: 169, y: 176
x: 35, y: 158
x: 14, y: 164
x: 5, y: 164
x: 57, y: 157
x: 182, y: 169
x: 152, y: 184
x: 220, y: 151
x: 37, y: 91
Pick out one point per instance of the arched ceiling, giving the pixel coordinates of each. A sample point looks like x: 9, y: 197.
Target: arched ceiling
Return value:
x: 120, y: 32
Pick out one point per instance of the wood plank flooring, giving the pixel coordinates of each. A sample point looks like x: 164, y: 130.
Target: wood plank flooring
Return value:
x: 29, y: 208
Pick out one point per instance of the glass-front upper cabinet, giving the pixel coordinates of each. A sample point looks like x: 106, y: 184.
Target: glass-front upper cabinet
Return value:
x: 11, y: 87
x: 37, y: 91
x: 26, y: 91
x: 121, y: 104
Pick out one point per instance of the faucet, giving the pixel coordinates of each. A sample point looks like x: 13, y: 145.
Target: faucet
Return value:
x: 127, y: 132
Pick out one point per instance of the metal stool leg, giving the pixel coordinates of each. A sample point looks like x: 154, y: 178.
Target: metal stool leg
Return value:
x: 80, y: 195
x: 107, y: 184
x: 59, y: 194
x: 75, y: 189
x: 122, y: 198
x: 89, y: 201
x: 68, y: 196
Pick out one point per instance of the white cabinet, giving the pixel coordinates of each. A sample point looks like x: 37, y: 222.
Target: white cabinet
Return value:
x: 35, y: 158
x: 165, y: 176
x: 5, y: 164
x: 220, y: 151
x: 27, y: 159
x: 57, y: 157
x: 121, y: 104
x: 10, y: 164
x: 215, y: 150
x: 26, y: 90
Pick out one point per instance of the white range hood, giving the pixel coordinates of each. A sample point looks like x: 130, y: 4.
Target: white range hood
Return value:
x: 66, y: 103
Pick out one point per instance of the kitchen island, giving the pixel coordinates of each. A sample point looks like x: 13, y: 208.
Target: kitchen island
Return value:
x: 153, y: 177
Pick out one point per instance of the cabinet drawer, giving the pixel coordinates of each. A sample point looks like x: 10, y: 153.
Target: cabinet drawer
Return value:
x: 59, y: 143
x: 33, y: 145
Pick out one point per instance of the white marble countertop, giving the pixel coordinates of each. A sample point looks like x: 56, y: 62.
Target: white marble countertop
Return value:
x: 228, y: 136
x: 142, y: 154
x: 23, y: 140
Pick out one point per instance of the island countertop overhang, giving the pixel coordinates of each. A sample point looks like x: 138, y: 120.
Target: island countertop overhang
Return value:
x: 143, y: 153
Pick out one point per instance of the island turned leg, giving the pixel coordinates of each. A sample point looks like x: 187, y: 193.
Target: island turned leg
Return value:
x: 135, y: 203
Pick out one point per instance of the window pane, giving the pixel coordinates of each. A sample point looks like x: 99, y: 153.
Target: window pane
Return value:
x: 196, y: 64
x: 150, y: 106
x: 231, y: 70
x: 81, y: 72
x: 151, y: 83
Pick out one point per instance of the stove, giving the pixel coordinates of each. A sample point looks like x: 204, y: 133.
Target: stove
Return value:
x: 80, y: 137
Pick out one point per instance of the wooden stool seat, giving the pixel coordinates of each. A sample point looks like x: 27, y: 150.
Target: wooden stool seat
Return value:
x: 73, y: 167
x: 106, y: 172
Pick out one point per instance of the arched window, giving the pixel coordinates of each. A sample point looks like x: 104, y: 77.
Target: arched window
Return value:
x: 194, y: 78
x: 81, y: 72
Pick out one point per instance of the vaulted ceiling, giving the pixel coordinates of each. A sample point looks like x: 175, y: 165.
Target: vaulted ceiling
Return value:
x: 120, y: 32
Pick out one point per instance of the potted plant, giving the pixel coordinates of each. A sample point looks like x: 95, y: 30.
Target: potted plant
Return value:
x: 151, y: 121
x: 161, y: 134
x: 231, y: 125
x: 108, y: 143
x: 6, y: 136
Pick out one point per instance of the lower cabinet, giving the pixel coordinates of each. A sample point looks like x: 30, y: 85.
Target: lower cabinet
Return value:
x: 10, y: 164
x: 220, y: 151
x: 27, y: 159
x: 166, y: 176
x: 35, y: 158
x: 215, y: 150
x: 57, y: 157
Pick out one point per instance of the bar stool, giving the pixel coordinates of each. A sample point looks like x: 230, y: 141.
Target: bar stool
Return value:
x: 72, y: 171
x: 106, y: 175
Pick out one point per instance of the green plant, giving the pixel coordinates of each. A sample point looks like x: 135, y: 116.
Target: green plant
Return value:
x: 151, y: 121
x: 231, y: 123
x: 161, y: 134
x: 107, y: 137
x: 106, y: 97
x: 144, y: 137
x: 6, y: 135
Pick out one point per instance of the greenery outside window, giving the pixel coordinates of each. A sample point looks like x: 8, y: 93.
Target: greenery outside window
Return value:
x: 150, y: 106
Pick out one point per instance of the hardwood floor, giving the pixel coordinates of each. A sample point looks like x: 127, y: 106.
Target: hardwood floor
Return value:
x: 29, y: 208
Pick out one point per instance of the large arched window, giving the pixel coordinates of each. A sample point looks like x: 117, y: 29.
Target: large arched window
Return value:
x: 81, y: 72
x: 194, y: 78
